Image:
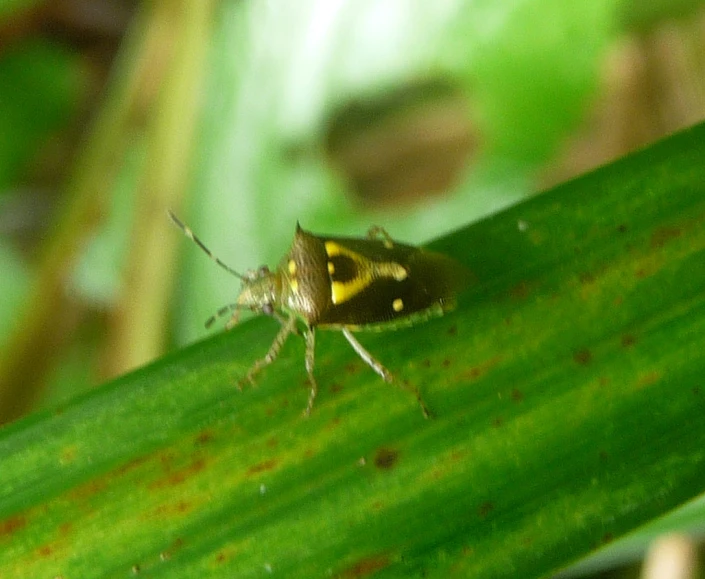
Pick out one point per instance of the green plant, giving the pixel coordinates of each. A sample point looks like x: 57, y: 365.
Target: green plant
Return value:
x: 567, y: 390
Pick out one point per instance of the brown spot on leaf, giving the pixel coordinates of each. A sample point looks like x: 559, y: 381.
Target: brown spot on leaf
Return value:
x: 178, y: 477
x: 622, y: 228
x: 365, y: 567
x: 262, y: 466
x: 166, y: 459
x: 68, y: 454
x: 84, y: 492
x: 583, y: 357
x: 386, y: 458
x: 485, y: 509
x: 628, y: 340
x: 9, y: 526
x: 130, y: 465
x: 520, y: 291
x: 377, y: 505
x: 204, y: 437
x: 170, y: 509
x: 458, y: 455
x: 648, y: 378
x: 586, y: 278
x: 453, y: 330
x: 517, y: 395
x: 663, y: 235
x: 481, y: 369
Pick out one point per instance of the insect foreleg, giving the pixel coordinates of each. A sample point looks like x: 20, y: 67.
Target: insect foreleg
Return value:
x: 273, y: 352
x: 310, y: 337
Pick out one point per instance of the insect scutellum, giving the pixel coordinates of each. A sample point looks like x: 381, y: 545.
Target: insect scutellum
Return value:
x: 345, y: 284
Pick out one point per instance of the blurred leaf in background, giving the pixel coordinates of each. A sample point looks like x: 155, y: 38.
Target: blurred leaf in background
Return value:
x: 297, y: 98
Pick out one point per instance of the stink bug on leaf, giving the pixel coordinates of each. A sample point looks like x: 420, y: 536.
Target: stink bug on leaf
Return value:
x: 345, y: 284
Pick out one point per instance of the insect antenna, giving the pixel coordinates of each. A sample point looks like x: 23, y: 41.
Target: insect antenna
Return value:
x: 190, y: 234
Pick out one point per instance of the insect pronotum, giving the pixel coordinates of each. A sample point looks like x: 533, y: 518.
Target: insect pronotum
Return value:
x: 345, y: 284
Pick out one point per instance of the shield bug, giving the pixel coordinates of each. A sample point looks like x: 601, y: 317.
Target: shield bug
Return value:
x: 345, y: 284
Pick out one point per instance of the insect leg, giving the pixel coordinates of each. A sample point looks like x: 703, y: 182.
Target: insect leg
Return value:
x: 284, y: 320
x: 273, y: 352
x: 310, y: 337
x: 234, y: 319
x: 382, y: 371
x: 367, y: 357
x: 376, y: 232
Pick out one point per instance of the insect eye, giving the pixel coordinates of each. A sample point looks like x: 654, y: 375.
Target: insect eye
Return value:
x: 268, y: 309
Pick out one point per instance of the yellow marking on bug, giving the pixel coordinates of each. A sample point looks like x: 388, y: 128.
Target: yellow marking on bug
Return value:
x: 333, y: 249
x: 397, y: 271
x: 294, y: 285
x: 292, y: 267
x: 398, y: 305
x: 366, y: 272
x: 342, y: 292
x: 331, y: 268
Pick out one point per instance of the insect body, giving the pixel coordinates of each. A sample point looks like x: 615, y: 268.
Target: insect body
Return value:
x: 345, y: 284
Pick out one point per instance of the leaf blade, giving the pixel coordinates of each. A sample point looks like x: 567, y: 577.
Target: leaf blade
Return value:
x: 566, y: 387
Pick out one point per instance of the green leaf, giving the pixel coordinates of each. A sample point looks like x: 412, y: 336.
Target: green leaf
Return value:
x: 40, y: 89
x: 567, y: 388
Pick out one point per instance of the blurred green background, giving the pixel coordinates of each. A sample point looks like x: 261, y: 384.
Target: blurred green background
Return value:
x: 244, y: 117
